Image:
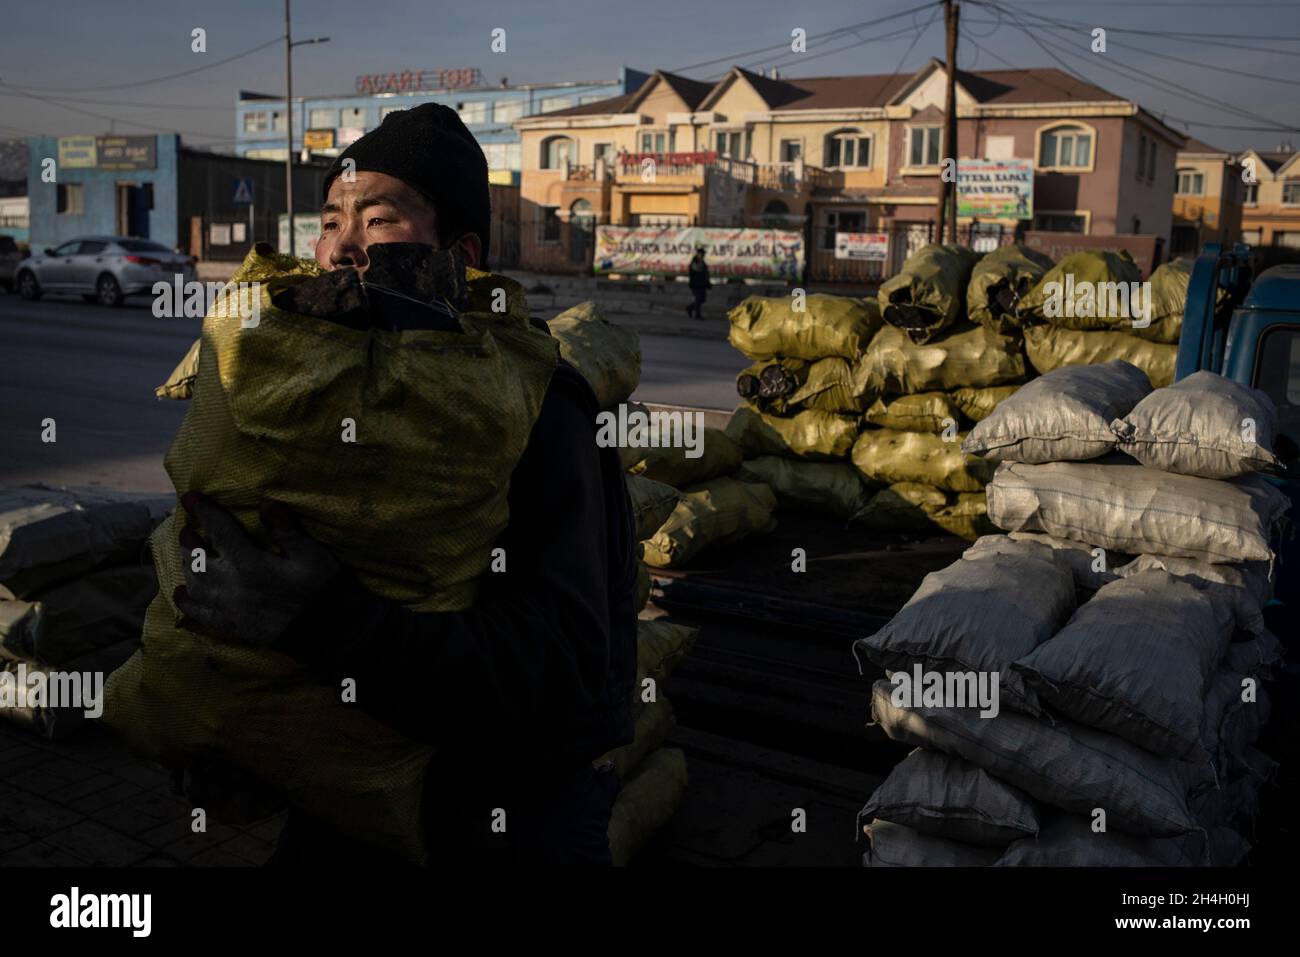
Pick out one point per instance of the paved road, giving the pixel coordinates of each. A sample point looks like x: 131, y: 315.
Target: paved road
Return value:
x: 93, y: 370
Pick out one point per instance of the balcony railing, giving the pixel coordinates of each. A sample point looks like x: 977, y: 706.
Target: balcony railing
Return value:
x: 786, y: 177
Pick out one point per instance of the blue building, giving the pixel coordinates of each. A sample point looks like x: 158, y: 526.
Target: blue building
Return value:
x: 211, y: 205
x: 324, y: 125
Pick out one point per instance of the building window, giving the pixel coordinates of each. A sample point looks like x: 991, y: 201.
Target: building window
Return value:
x: 600, y: 150
x: 550, y: 103
x: 556, y: 150
x: 730, y: 143
x: 591, y: 98
x: 353, y: 116
x: 472, y: 112
x: 1251, y: 194
x: 548, y: 228
x: 1151, y: 161
x: 385, y: 110
x: 1060, y: 222
x: 1291, y: 240
x: 323, y: 119
x: 1142, y: 156
x: 775, y: 214
x: 507, y: 111
x: 1065, y: 147
x: 791, y: 150
x: 71, y: 199
x: 256, y: 122
x: 846, y: 148
x: 1291, y: 194
x: 924, y: 145
x: 278, y: 124
x: 656, y: 142
x: 842, y: 221
x: 1251, y: 237
x: 1190, y: 183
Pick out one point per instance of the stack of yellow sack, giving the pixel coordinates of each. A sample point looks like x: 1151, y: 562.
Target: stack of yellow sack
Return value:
x: 801, y: 410
x: 1092, y: 308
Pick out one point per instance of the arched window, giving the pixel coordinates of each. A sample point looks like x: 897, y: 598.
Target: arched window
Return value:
x: 581, y: 209
x: 846, y: 148
x: 776, y: 208
x: 556, y: 149
x: 1066, y: 146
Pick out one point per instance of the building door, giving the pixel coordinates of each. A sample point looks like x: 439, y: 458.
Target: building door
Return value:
x: 582, y: 230
x: 134, y: 201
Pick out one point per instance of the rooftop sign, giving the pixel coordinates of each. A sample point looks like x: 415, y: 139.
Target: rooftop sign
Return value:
x: 409, y: 81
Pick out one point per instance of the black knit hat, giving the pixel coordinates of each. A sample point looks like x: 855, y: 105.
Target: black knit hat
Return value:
x: 430, y: 150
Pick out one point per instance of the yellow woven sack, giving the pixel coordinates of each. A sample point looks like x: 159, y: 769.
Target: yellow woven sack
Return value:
x: 437, y: 422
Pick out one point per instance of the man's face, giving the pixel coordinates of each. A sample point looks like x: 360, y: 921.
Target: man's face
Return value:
x: 374, y: 208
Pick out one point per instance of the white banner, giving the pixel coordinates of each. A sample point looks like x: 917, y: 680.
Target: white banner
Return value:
x: 667, y: 251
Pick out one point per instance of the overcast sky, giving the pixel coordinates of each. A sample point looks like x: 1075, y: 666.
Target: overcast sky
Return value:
x: 81, y: 48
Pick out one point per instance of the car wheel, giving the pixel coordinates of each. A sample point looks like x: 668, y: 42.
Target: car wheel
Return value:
x: 107, y: 291
x: 28, y: 287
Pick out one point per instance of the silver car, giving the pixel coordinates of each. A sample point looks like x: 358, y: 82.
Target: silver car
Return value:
x: 103, y: 269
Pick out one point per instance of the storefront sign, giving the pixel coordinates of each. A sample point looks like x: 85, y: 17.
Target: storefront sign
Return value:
x: 865, y: 247
x: 995, y: 189
x: 77, y: 152
x: 667, y: 251
x: 318, y: 139
x: 127, y: 152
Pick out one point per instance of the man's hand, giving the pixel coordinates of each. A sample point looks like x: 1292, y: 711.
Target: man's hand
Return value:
x: 247, y: 593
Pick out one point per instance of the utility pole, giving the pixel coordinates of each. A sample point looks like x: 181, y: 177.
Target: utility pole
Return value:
x: 288, y: 115
x: 289, y: 44
x: 947, y: 190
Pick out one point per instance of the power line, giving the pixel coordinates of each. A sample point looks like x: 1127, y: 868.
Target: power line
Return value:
x: 157, y: 79
x: 1124, y: 69
x: 1175, y: 34
x: 785, y: 44
x: 111, y: 119
x: 149, y: 106
x: 1177, y: 119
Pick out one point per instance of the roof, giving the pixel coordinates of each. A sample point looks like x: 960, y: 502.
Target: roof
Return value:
x: 1000, y: 87
x: 1199, y: 146
x: 1274, y: 159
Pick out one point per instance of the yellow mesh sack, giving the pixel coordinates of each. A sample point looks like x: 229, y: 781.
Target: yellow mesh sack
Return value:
x: 412, y: 505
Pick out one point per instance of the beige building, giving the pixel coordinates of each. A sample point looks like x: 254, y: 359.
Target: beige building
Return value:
x: 1208, y: 192
x: 1270, y: 213
x: 836, y: 154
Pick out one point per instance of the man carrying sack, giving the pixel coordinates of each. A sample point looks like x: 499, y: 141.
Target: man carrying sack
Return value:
x: 400, y: 589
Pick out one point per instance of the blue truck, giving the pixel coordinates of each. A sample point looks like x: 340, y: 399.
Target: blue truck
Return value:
x: 1243, y: 322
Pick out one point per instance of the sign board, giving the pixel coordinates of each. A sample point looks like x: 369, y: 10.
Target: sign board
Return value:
x: 127, y: 152
x: 77, y: 152
x: 318, y: 139
x: 995, y: 189
x: 667, y: 251
x: 306, y: 230
x: 219, y: 234
x: 865, y: 247
x: 1143, y: 248
x: 407, y: 81
x: 243, y: 192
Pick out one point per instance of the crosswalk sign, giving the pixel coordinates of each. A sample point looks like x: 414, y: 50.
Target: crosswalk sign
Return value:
x: 243, y: 192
